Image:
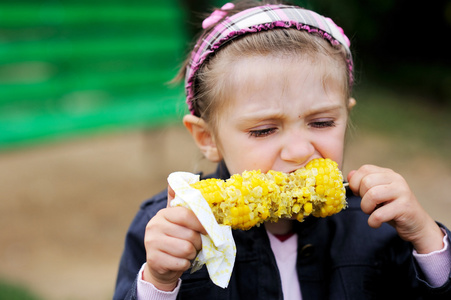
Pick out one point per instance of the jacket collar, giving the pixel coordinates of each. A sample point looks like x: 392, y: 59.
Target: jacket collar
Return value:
x: 221, y: 172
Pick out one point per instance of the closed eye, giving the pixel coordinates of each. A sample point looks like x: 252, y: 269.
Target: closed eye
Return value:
x: 262, y: 132
x: 323, y: 124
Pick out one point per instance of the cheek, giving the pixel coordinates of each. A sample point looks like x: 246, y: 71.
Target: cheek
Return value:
x: 332, y: 146
x: 249, y: 155
x: 245, y: 157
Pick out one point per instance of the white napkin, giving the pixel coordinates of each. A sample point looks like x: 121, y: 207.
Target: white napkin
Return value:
x: 218, y: 247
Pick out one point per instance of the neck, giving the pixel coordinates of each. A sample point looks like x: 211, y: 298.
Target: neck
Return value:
x: 283, y: 226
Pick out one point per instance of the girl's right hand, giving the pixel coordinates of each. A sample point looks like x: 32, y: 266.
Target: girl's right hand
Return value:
x: 172, y: 239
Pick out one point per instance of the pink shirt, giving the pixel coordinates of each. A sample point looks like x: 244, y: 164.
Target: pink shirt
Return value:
x: 286, y: 254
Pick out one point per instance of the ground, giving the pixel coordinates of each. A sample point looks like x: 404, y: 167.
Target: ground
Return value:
x: 65, y: 206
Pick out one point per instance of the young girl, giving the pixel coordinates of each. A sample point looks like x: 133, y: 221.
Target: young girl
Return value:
x: 268, y: 87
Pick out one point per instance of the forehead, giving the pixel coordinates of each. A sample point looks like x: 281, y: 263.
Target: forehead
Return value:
x: 273, y: 78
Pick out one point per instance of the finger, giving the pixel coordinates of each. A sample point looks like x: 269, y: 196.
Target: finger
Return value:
x: 160, y: 237
x: 355, y: 179
x: 179, y: 248
x: 186, y: 218
x: 163, y: 262
x: 367, y: 177
x: 375, y: 197
x: 165, y: 223
x: 351, y: 173
x: 382, y: 214
x: 176, y: 222
x: 171, y: 195
x: 186, y: 234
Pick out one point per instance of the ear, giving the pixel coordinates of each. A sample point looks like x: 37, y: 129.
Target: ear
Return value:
x: 203, y: 137
x: 351, y: 103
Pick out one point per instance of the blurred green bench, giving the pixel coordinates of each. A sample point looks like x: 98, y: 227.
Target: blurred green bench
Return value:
x: 68, y: 67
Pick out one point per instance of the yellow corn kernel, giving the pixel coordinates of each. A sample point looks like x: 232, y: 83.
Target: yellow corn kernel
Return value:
x: 249, y: 199
x: 308, y: 207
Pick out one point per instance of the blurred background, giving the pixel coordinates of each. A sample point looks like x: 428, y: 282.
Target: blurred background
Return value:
x: 90, y: 127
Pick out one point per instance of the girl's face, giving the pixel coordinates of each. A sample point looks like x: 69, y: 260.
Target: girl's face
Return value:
x: 281, y: 114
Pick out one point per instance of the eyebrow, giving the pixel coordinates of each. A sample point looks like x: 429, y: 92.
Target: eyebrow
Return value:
x: 269, y: 115
x: 256, y: 117
x: 324, y: 108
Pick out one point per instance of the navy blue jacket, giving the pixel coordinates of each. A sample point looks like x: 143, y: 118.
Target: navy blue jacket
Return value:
x: 339, y: 257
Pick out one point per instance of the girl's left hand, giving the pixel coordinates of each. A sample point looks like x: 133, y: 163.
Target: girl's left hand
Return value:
x: 387, y: 197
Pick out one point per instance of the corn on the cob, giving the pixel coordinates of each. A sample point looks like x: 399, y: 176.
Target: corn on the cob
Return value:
x: 249, y: 199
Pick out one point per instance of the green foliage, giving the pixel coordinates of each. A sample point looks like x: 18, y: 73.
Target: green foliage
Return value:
x: 10, y: 291
x: 69, y: 67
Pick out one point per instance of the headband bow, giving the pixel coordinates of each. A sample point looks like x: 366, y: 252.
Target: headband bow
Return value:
x: 217, y: 15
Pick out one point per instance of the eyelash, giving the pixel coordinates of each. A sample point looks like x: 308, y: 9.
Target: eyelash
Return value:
x: 323, y: 124
x: 262, y: 132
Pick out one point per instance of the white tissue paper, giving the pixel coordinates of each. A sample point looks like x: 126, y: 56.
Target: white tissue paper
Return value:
x: 218, y: 247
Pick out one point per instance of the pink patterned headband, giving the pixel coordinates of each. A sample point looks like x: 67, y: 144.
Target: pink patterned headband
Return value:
x: 258, y: 19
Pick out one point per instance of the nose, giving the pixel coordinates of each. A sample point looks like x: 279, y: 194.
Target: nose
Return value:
x: 297, y: 148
